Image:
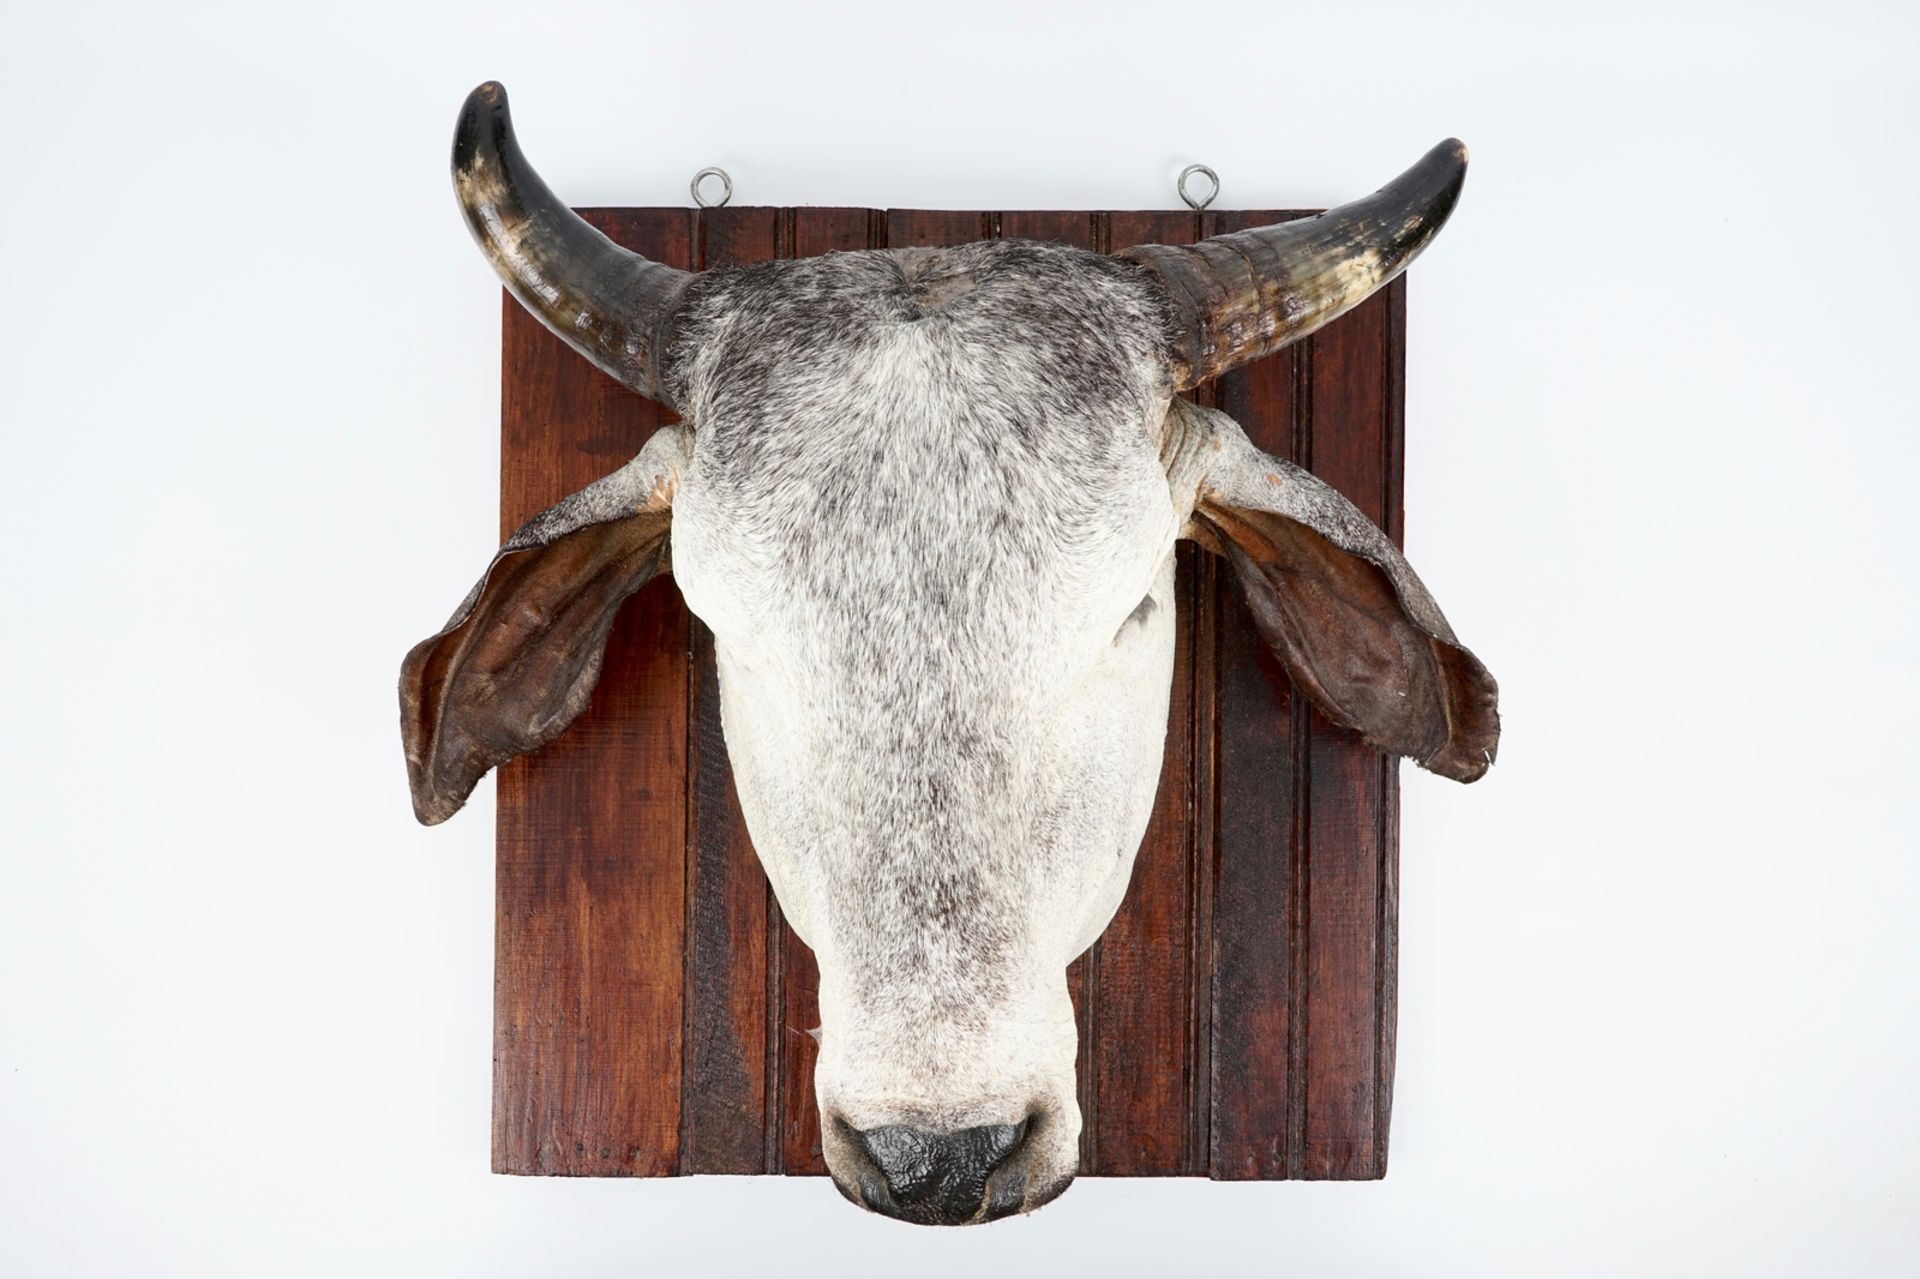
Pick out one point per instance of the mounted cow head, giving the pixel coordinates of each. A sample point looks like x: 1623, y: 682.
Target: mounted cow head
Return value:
x: 927, y: 502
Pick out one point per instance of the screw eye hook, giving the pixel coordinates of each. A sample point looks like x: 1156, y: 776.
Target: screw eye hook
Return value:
x: 1188, y: 196
x: 726, y: 187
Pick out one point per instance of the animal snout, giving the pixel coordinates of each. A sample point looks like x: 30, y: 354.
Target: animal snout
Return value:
x: 941, y: 1178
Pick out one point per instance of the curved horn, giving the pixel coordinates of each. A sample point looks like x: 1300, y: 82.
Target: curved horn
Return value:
x: 1246, y: 294
x: 610, y: 305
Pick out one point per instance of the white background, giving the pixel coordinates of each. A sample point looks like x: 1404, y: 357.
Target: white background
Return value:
x: 1657, y: 1002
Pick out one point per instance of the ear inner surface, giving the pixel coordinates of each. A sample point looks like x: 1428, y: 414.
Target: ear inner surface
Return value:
x: 519, y: 658
x: 518, y: 662
x: 1338, y: 623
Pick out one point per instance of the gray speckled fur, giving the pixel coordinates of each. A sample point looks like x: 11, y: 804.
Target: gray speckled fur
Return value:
x: 924, y: 502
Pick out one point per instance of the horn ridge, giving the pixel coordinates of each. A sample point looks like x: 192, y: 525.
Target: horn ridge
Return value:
x: 612, y: 305
x: 1245, y: 294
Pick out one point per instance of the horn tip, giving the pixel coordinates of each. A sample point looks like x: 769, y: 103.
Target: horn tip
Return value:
x: 484, y: 129
x: 1452, y: 150
x: 487, y: 102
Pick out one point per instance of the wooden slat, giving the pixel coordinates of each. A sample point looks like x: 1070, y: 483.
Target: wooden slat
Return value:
x: 1387, y: 928
x: 1256, y: 784
x: 922, y: 228
x: 591, y: 832
x: 1075, y: 227
x: 724, y: 1107
x: 1347, y: 995
x: 1141, y: 1076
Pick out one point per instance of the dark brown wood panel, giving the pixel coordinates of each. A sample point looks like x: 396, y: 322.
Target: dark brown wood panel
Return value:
x: 918, y: 228
x: 591, y: 836
x: 1076, y: 227
x: 1257, y: 833
x: 1236, y: 1019
x: 1140, y: 1025
x: 724, y: 1103
x: 1387, y: 927
x: 1347, y: 993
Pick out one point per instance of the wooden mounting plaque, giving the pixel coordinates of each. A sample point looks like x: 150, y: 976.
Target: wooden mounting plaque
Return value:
x: 1236, y: 1019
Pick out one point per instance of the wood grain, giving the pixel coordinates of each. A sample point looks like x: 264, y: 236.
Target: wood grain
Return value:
x: 1236, y: 1018
x: 1140, y: 1049
x: 591, y: 836
x: 920, y: 228
x: 1257, y: 835
x: 1346, y: 991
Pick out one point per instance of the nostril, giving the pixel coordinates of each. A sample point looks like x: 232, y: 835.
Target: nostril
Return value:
x: 942, y: 1177
x: 999, y: 1141
x: 908, y: 1159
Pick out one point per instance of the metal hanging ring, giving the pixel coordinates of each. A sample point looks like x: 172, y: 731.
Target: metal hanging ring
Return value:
x: 726, y: 187
x: 1187, y: 195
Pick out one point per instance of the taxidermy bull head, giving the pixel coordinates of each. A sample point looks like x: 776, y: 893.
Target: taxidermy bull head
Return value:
x: 927, y: 502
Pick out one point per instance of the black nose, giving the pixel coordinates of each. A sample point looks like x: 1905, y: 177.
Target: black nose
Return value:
x: 943, y: 1178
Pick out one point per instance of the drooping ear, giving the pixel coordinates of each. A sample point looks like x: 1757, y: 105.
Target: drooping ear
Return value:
x: 519, y: 658
x: 1336, y: 601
